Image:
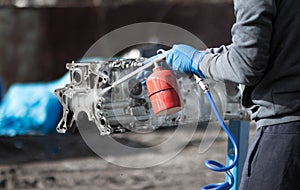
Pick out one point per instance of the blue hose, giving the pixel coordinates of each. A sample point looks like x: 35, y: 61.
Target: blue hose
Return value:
x: 214, y: 165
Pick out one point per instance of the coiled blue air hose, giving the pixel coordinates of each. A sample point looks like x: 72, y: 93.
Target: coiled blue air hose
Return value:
x: 212, y: 164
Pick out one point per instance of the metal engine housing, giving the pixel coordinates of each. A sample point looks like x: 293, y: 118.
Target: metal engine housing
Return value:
x: 126, y: 106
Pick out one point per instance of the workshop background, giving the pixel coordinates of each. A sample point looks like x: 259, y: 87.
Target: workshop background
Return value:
x: 37, y: 39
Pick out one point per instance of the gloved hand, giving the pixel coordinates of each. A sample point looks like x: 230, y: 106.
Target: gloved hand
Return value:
x: 185, y: 59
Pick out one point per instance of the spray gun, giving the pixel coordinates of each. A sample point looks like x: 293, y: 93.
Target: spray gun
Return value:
x: 161, y: 85
x: 163, y: 91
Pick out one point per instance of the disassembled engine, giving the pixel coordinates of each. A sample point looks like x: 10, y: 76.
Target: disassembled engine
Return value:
x: 127, y: 105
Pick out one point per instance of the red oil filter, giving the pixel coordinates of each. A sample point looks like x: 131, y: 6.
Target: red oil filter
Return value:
x: 163, y: 92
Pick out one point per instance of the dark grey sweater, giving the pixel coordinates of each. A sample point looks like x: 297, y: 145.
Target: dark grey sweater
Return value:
x: 264, y: 56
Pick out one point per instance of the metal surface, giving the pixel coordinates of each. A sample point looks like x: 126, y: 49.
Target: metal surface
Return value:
x: 126, y: 106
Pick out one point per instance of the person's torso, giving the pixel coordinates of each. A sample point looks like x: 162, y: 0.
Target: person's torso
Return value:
x: 277, y: 95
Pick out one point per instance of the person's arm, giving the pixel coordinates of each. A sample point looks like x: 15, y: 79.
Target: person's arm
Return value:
x: 246, y: 59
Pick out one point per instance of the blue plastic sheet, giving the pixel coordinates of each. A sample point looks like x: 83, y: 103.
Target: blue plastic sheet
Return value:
x: 1, y: 90
x: 31, y: 108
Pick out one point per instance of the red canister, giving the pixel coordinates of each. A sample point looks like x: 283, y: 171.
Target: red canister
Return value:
x: 163, y: 92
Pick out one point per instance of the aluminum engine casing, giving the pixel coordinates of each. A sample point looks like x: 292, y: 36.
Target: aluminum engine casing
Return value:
x: 126, y: 106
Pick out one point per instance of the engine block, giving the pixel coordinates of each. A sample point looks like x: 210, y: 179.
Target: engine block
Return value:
x: 126, y: 106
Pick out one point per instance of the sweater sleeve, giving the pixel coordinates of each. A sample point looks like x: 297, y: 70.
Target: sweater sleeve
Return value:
x: 245, y: 60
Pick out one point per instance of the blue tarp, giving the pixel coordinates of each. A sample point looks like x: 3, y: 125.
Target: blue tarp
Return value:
x: 1, y: 90
x: 31, y: 108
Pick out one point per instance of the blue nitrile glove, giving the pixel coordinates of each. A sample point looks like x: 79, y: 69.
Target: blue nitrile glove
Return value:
x: 185, y: 59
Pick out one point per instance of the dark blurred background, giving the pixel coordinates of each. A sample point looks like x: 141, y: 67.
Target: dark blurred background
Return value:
x: 37, y: 37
